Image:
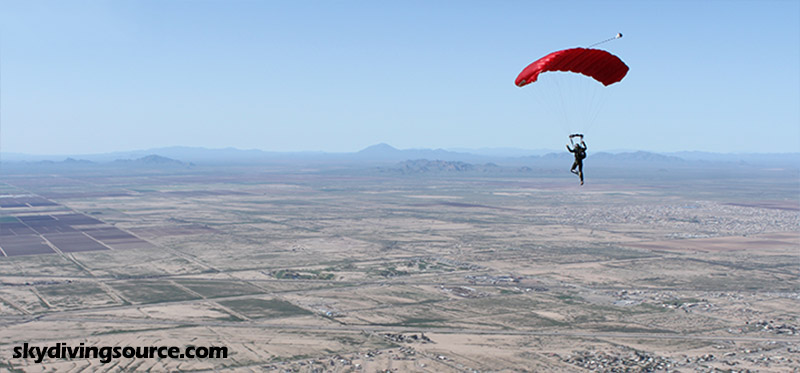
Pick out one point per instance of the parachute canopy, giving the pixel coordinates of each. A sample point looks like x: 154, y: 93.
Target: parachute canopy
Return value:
x: 598, y: 64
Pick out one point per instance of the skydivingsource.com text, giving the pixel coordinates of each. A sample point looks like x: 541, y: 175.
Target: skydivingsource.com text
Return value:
x: 108, y: 353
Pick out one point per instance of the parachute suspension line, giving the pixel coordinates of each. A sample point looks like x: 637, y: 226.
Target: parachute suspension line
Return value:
x: 617, y: 36
x: 584, y: 95
x: 598, y: 101
x: 591, y: 94
x: 599, y: 105
x: 563, y: 92
x: 552, y: 92
x: 574, y: 101
x: 551, y: 100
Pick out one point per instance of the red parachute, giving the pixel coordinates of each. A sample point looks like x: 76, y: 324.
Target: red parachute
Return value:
x: 598, y: 64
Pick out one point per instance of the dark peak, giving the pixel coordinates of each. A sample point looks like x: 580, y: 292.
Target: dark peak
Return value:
x: 379, y: 148
x: 152, y: 159
x: 157, y: 159
x: 71, y: 160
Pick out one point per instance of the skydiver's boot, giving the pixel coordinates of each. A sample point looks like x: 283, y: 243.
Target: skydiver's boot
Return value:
x: 581, y: 175
x: 573, y: 171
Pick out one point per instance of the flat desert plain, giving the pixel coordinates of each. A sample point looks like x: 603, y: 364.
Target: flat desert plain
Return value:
x: 336, y: 269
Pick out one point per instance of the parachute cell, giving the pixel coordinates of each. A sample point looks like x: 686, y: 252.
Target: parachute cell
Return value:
x: 598, y: 64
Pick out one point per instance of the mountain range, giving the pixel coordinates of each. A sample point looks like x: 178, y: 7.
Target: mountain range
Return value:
x: 384, y: 154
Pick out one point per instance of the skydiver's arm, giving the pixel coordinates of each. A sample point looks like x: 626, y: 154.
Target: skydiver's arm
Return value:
x: 570, y: 150
x: 584, y: 145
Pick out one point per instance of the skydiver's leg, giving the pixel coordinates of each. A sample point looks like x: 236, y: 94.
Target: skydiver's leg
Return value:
x: 580, y: 171
x: 574, y: 165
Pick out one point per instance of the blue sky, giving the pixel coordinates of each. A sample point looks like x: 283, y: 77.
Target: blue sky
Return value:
x: 84, y: 77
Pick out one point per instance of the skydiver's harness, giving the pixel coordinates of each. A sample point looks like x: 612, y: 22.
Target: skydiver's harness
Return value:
x: 579, y: 135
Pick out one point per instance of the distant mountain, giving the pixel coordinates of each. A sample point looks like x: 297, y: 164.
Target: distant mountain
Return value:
x: 176, y: 152
x: 152, y: 160
x: 68, y: 162
x: 768, y: 159
x: 380, y: 150
x: 638, y: 156
x: 77, y: 161
x: 385, y: 154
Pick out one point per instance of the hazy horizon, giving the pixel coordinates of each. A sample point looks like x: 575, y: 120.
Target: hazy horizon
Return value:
x: 483, y: 151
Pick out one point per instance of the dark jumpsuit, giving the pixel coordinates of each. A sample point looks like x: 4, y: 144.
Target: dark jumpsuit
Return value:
x: 580, y: 154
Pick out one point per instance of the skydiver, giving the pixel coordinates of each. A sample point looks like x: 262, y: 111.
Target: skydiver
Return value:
x: 580, y: 153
